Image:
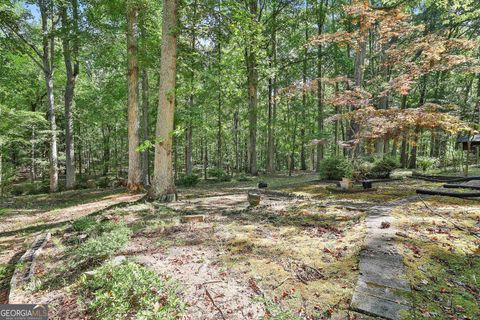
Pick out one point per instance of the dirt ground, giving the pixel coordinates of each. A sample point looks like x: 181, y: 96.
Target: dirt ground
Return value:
x: 293, y: 256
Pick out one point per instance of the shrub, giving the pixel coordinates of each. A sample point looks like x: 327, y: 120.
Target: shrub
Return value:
x: 84, y: 224
x: 114, y: 238
x: 189, y: 180
x: 242, y: 177
x: 335, y: 168
x: 426, y: 163
x: 219, y: 174
x: 103, y: 182
x: 363, y: 169
x: 129, y: 291
x: 382, y: 168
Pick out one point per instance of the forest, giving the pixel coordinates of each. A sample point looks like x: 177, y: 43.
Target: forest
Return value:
x: 247, y: 159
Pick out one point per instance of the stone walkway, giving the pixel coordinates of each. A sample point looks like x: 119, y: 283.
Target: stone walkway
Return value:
x: 382, y: 287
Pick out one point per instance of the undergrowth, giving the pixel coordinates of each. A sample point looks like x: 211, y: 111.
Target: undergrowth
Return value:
x: 129, y: 291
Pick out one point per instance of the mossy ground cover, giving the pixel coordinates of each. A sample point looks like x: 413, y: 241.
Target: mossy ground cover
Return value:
x: 440, y: 244
x: 296, y: 257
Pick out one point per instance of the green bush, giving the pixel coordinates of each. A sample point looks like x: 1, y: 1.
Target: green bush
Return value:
x: 129, y: 291
x: 362, y: 169
x: 219, y: 174
x: 382, y: 168
x: 335, y: 168
x: 242, y: 177
x: 84, y: 224
x: 426, y: 163
x: 113, y: 237
x: 189, y: 180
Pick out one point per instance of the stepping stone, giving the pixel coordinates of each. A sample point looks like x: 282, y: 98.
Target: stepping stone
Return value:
x: 375, y: 306
x: 386, y: 293
x: 382, y: 287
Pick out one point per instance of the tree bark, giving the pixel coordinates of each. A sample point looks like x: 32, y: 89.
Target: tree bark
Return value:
x: 189, y: 129
x: 145, y: 134
x: 32, y: 157
x: 163, y: 184
x: 237, y: 151
x: 272, y: 91
x: 303, y: 159
x: 252, y: 79
x: 1, y: 175
x: 320, y: 116
x: 70, y: 56
x: 134, y: 183
x: 219, y: 110
x: 403, y: 148
x: 358, y: 74
x: 48, y: 41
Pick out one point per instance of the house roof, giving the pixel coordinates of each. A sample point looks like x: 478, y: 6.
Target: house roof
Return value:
x: 473, y: 139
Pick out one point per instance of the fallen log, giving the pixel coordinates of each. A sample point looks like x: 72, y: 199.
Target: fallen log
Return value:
x: 444, y: 178
x: 461, y: 186
x: 456, y: 179
x: 437, y: 192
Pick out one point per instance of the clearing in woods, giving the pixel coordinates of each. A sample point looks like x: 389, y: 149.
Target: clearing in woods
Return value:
x: 301, y: 253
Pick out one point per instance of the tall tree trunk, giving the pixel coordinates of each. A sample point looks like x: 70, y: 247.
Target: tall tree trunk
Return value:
x: 32, y: 157
x: 403, y: 148
x: 145, y: 134
x: 80, y: 150
x: 236, y: 139
x: 320, y: 116
x: 72, y: 67
x: 383, y: 103
x: 189, y: 129
x: 272, y: 90
x: 1, y: 175
x: 413, y: 152
x: 134, y: 183
x: 252, y: 79
x: 303, y: 159
x: 106, y: 150
x: 478, y: 97
x: 358, y: 74
x: 219, y: 108
x: 48, y: 41
x: 163, y: 184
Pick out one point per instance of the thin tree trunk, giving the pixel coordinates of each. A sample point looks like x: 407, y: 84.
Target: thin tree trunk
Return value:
x: 145, y: 134
x: 236, y: 138
x: 47, y: 60
x: 163, y: 184
x: 1, y: 175
x: 80, y: 150
x: 205, y: 161
x: 303, y: 159
x: 72, y: 67
x: 413, y: 151
x: 403, y: 148
x: 272, y: 90
x: 189, y: 129
x: 32, y: 157
x: 219, y: 110
x: 358, y: 80
x: 252, y: 79
x: 106, y: 150
x: 270, y: 145
x: 320, y: 116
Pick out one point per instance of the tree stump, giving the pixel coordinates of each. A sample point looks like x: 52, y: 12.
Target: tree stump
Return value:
x: 253, y: 199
